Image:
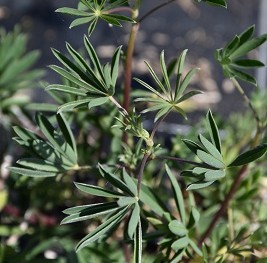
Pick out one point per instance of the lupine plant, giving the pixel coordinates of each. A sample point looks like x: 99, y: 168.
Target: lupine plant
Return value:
x: 195, y: 201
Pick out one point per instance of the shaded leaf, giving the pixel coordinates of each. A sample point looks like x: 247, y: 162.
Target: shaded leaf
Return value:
x: 249, y: 156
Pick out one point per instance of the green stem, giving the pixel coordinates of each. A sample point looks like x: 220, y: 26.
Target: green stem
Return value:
x: 247, y: 100
x: 117, y: 104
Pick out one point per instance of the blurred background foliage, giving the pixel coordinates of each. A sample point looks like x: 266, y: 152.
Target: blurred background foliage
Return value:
x: 31, y: 208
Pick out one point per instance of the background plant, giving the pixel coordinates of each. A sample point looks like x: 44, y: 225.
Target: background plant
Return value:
x: 134, y: 198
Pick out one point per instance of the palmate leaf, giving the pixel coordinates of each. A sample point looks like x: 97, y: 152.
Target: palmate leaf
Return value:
x: 162, y: 95
x: 15, y: 69
x: 240, y: 46
x: 93, y: 11
x: 209, y: 152
x: 55, y: 155
x: 92, y: 83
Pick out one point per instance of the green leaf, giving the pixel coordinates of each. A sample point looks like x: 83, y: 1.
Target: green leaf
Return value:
x: 114, y: 180
x: 243, y: 76
x: 78, y: 81
x: 193, y: 218
x: 248, y: 63
x: 102, y: 229
x: 67, y: 133
x: 97, y: 102
x: 126, y: 201
x: 213, y: 175
x: 162, y: 112
x: 81, y: 21
x: 231, y: 46
x: 180, y: 68
x: 42, y: 165
x: 210, y: 160
x: 155, y: 77
x: 195, y: 248
x: 31, y: 173
x: 92, y: 26
x: 115, y: 65
x: 148, y: 198
x: 70, y: 106
x: 180, y: 243
x: 138, y: 244
x: 192, y: 146
x: 49, y: 132
x: 47, y: 152
x: 178, y: 197
x: 41, y: 107
x: 66, y: 89
x: 249, y: 156
x: 129, y: 182
x: 248, y: 46
x: 185, y: 82
x: 71, y: 11
x: 81, y: 213
x: 97, y: 191
x: 188, y: 95
x: 246, y: 35
x: 213, y: 131
x: 210, y: 148
x: 164, y: 71
x: 93, y: 56
x: 24, y: 134
x: 177, y: 228
x: 119, y: 17
x: 111, y: 20
x: 198, y: 185
x: 133, y: 221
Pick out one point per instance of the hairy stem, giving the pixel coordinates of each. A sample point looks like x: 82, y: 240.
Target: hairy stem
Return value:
x: 155, y: 9
x: 247, y: 100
